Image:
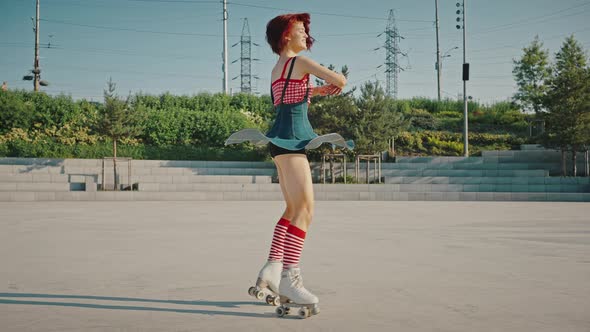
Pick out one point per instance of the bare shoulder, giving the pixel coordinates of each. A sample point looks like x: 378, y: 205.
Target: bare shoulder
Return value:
x: 308, y: 66
x: 306, y: 61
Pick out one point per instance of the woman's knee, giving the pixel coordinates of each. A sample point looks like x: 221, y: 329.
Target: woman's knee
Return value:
x: 289, y: 212
x: 306, y: 211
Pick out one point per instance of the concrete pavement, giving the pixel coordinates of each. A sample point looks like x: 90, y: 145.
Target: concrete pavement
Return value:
x: 376, y: 266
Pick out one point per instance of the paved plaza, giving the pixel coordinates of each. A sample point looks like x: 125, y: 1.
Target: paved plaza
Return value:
x: 376, y: 266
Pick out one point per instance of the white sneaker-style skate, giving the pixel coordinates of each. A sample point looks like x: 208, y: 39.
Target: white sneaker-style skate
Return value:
x: 268, y: 282
x: 294, y: 295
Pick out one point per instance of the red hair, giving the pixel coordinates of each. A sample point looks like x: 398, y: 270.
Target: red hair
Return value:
x: 280, y: 27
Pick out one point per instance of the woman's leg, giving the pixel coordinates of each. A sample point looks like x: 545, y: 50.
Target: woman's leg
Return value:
x: 297, y: 187
x: 270, y: 274
x: 288, y: 213
x: 280, y: 230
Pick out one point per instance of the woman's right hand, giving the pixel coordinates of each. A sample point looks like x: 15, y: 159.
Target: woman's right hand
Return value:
x: 327, y: 90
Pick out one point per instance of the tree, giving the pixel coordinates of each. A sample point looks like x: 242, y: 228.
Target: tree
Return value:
x: 15, y: 112
x: 530, y: 73
x: 332, y: 114
x: 119, y: 119
x: 376, y: 121
x: 567, y: 101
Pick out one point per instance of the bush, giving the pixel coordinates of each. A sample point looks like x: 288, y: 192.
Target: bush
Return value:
x: 195, y: 127
x: 52, y: 149
x: 451, y: 144
x: 422, y: 119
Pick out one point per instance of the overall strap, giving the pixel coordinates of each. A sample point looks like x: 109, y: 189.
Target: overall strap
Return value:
x: 287, y: 80
x: 285, y: 67
x: 272, y: 98
x: 308, y: 88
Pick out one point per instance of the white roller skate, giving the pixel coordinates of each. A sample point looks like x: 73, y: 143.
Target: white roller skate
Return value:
x: 268, y: 282
x: 294, y: 295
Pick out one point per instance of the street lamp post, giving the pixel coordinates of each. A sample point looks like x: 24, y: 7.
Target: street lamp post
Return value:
x: 445, y: 55
x: 461, y: 10
x: 438, y: 59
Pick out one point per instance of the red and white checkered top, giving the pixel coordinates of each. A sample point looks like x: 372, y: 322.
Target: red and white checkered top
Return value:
x: 295, y: 90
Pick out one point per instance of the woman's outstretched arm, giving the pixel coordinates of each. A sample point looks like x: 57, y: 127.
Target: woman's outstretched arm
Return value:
x: 314, y: 68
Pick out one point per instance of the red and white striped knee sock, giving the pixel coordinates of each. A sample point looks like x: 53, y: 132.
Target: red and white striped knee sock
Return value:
x: 278, y: 240
x: 293, y: 247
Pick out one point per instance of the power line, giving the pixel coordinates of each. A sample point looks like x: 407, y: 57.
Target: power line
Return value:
x: 134, y: 30
x: 126, y: 52
x: 142, y: 72
x: 175, y: 1
x: 323, y: 13
x: 362, y: 80
x: 519, y: 45
x: 526, y: 20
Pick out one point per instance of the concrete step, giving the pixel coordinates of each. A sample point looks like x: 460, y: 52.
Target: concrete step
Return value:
x: 435, y: 160
x: 421, y: 187
x: 277, y: 196
x: 187, y: 179
x: 97, y: 163
x: 200, y: 164
x: 458, y: 173
x: 65, y: 178
x: 529, y: 147
x: 36, y: 186
x: 123, y: 171
x: 465, y: 166
x: 36, y: 161
x: 208, y: 187
x: 31, y: 169
x: 486, y: 180
x: 33, y: 177
x: 559, y: 188
x: 528, y: 156
x: 204, y: 171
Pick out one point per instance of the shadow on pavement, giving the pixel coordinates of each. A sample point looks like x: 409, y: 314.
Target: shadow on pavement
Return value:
x: 222, y: 304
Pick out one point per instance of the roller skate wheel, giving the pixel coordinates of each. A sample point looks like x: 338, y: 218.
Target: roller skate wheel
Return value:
x: 277, y: 301
x: 315, y: 310
x: 269, y: 299
x: 259, y: 295
x: 303, y: 313
x: 281, y: 311
x: 251, y: 291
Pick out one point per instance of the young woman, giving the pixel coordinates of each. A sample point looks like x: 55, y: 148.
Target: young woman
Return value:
x: 289, y: 137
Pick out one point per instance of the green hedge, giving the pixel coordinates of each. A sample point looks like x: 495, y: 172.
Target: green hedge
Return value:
x: 195, y: 127
x: 52, y: 149
x: 451, y: 144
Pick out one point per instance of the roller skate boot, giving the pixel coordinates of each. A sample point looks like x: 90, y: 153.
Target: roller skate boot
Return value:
x: 268, y: 283
x: 294, y: 295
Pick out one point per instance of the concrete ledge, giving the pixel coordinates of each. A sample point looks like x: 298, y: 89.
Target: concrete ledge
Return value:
x: 201, y: 179
x: 464, y: 173
x: 22, y: 197
x: 42, y: 186
x: 438, y: 159
x: 33, y: 177
x: 277, y: 196
x: 32, y: 169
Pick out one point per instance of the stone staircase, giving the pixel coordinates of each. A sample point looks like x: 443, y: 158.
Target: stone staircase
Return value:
x: 522, y: 175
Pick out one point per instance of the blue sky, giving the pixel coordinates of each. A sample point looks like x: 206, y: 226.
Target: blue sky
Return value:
x: 155, y: 46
